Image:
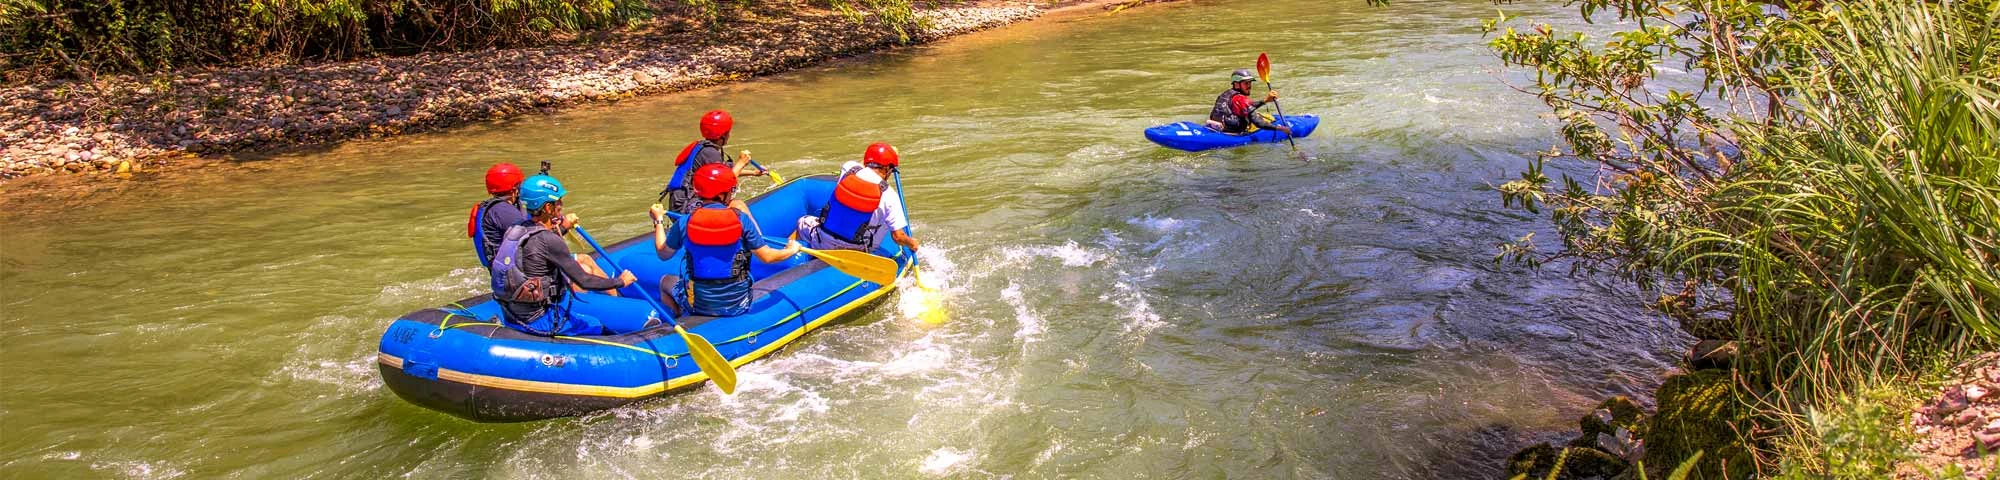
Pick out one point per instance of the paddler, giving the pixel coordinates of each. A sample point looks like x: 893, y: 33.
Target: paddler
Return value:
x: 862, y: 207
x: 715, y: 127
x: 491, y: 218
x: 719, y: 240
x: 1234, y: 113
x: 533, y: 270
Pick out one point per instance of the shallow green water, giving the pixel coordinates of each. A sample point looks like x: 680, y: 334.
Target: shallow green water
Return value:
x: 1118, y: 310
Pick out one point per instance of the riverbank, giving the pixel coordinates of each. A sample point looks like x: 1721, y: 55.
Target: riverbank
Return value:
x: 121, y: 123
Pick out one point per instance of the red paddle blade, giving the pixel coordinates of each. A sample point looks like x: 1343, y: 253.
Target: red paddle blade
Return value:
x: 1264, y: 67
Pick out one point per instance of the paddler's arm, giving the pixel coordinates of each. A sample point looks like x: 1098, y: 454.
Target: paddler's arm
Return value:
x: 552, y: 248
x: 753, y: 239
x: 1259, y: 119
x: 743, y: 166
x: 660, y: 243
x: 905, y: 240
x: 898, y: 220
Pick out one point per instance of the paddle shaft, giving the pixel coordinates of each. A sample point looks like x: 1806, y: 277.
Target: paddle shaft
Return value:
x: 1281, y: 116
x: 904, y: 202
x: 606, y: 258
x: 1264, y: 73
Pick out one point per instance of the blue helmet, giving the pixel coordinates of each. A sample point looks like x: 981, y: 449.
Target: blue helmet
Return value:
x: 540, y: 190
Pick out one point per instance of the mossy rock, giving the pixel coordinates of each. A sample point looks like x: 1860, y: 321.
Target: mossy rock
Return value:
x: 1533, y: 461
x: 1624, y: 413
x: 1577, y: 464
x: 1698, y: 413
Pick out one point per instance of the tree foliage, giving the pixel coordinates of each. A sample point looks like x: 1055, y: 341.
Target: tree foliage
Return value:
x: 76, y: 38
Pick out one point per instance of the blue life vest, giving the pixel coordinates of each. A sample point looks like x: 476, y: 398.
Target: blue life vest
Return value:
x: 715, y: 250
x: 476, y: 228
x: 849, y: 214
x: 680, y: 197
x: 512, y: 285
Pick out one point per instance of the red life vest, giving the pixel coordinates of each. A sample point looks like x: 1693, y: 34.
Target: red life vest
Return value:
x: 715, y: 245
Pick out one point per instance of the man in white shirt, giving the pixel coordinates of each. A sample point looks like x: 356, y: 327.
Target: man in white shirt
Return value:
x: 864, y: 209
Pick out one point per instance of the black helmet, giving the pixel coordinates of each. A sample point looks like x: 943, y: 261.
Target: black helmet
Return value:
x: 1241, y: 75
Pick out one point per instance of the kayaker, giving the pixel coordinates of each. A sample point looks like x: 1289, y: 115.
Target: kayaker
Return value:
x: 715, y: 127
x: 719, y: 240
x: 862, y: 206
x: 533, y: 270
x: 1235, y: 113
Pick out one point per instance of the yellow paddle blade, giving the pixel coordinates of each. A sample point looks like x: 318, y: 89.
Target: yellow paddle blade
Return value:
x: 862, y: 265
x: 711, y: 362
x: 930, y: 299
x: 776, y: 179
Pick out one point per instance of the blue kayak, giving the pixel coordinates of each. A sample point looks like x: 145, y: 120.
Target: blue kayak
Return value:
x: 1194, y: 137
x: 460, y: 360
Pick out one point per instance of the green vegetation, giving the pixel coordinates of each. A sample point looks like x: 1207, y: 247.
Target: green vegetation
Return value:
x: 1822, y: 186
x: 77, y: 38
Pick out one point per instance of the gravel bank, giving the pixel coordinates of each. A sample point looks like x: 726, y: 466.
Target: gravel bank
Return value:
x: 143, y: 122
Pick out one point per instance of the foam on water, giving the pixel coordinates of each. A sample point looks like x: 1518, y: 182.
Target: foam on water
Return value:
x: 944, y: 461
x: 349, y: 377
x: 1031, y: 324
x: 1071, y: 254
x: 138, y: 469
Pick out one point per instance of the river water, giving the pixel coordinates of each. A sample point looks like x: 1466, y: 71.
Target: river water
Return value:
x: 1117, y: 310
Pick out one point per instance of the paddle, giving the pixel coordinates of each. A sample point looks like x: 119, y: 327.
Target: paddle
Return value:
x: 1264, y: 73
x: 711, y: 362
x: 862, y: 265
x: 775, y: 177
x: 933, y: 301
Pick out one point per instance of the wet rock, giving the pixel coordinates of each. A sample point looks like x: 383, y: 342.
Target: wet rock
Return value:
x: 1540, y: 460
x: 1611, y: 414
x: 1550, y: 332
x: 1713, y: 354
x: 393, y: 111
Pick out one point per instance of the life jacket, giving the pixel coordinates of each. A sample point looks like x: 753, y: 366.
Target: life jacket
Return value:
x: 476, y: 220
x: 680, y: 193
x: 509, y: 282
x: 848, y: 216
x: 1226, y: 112
x: 715, y: 250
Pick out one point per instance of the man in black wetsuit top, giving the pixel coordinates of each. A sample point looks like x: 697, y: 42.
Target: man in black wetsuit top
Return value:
x: 1234, y: 113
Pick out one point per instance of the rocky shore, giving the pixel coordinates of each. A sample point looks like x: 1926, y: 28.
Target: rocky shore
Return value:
x: 118, y: 123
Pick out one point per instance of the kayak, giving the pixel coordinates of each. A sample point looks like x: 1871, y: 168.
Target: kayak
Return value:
x: 1194, y: 137
x: 458, y: 358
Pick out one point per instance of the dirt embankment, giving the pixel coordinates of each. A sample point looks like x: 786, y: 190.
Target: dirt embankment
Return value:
x: 140, y: 122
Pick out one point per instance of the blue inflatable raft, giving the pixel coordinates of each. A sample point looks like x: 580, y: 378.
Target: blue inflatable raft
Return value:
x: 1194, y: 137
x: 459, y: 360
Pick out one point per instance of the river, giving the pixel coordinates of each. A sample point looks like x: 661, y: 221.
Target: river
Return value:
x: 1117, y: 310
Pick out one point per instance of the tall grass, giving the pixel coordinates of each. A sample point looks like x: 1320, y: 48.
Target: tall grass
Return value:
x: 1866, y: 229
x: 1829, y: 195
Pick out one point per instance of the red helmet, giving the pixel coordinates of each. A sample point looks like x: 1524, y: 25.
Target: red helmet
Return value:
x: 880, y: 153
x: 715, y: 124
x: 503, y: 177
x: 713, y: 180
